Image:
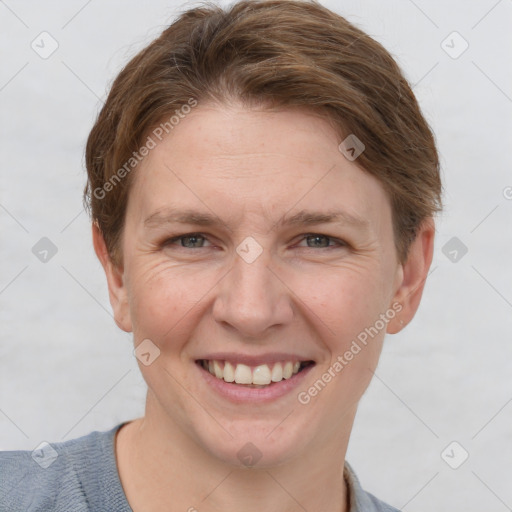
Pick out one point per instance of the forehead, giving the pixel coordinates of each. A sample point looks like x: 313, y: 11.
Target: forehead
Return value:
x: 237, y: 160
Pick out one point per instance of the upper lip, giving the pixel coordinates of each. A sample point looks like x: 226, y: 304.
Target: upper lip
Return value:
x: 253, y: 360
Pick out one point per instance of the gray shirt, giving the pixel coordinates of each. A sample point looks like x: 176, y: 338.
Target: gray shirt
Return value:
x: 80, y: 475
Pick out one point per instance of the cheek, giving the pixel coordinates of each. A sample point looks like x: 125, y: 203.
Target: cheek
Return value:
x: 159, y: 299
x: 337, y: 301
x: 351, y: 306
x: 167, y: 301
x: 345, y: 300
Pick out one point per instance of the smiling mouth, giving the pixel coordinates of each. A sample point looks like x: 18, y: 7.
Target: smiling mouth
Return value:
x: 260, y: 376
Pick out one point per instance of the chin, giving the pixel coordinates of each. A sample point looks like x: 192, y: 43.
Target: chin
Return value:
x: 255, y: 444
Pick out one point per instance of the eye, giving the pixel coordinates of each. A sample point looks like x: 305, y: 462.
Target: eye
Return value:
x: 320, y: 241
x: 198, y: 240
x: 188, y: 240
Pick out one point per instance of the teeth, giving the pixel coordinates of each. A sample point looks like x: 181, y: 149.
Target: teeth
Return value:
x: 287, y: 370
x: 277, y: 373
x: 261, y: 375
x: 229, y: 372
x: 217, y: 369
x: 243, y: 374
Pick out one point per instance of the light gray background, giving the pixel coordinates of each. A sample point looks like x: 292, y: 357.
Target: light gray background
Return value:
x: 66, y: 369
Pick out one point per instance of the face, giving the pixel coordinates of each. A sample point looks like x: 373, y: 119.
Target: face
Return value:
x: 252, y: 241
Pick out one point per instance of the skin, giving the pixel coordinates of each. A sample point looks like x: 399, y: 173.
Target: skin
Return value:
x: 307, y: 296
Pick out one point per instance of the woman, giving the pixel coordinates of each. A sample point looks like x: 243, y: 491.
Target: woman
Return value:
x: 262, y: 186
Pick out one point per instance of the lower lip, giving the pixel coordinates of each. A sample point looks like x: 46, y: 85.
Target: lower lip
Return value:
x: 239, y: 393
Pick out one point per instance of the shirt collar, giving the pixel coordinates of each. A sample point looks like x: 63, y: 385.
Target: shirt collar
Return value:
x: 359, y: 500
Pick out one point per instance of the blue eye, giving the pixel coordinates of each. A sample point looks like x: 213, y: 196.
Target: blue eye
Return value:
x: 198, y: 240
x: 190, y: 240
x: 321, y: 241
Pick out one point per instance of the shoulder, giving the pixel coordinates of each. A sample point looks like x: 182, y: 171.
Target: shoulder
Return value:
x: 360, y: 500
x: 58, y: 476
x: 379, y: 505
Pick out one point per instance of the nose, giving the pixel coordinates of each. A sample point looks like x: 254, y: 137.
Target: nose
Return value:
x: 252, y: 298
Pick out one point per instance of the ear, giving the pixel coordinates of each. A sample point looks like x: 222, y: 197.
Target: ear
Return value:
x: 116, y: 286
x: 411, y: 277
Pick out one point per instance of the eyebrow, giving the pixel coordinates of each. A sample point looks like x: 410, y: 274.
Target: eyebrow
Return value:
x: 302, y: 218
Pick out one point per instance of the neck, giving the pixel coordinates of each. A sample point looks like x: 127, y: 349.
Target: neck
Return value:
x: 178, y: 472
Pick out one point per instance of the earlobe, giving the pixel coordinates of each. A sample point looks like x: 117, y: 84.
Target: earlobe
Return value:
x: 115, y: 280
x: 413, y: 276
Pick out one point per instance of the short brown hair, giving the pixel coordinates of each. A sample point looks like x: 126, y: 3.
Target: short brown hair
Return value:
x: 277, y: 54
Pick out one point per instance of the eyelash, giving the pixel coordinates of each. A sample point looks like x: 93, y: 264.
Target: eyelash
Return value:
x: 341, y: 243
